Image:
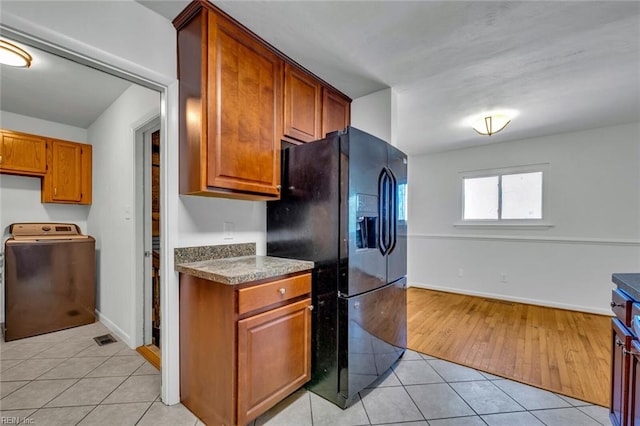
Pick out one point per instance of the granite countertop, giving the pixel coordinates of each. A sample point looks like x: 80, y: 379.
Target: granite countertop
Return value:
x: 630, y: 283
x: 238, y: 270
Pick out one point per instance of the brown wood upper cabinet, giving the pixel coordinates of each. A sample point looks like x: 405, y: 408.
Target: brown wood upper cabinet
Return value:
x: 239, y: 97
x: 230, y: 108
x: 68, y: 178
x: 336, y: 111
x: 311, y: 110
x: 65, y: 167
x: 23, y: 154
x: 302, y: 105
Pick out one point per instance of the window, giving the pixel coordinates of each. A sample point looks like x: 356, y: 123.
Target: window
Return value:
x: 503, y: 196
x: 402, y: 202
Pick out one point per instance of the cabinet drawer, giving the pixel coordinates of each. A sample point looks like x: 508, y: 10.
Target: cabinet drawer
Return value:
x: 621, y: 306
x: 262, y: 295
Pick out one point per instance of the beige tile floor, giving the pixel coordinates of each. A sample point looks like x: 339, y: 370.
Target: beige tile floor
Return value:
x: 65, y: 378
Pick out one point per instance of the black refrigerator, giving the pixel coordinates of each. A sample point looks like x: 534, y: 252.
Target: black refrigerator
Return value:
x: 343, y: 206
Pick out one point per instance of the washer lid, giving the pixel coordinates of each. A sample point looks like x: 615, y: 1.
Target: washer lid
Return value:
x: 43, y: 231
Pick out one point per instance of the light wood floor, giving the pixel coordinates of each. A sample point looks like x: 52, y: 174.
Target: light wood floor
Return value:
x: 563, y: 351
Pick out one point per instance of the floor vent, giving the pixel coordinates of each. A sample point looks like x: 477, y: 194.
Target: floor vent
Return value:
x: 103, y: 340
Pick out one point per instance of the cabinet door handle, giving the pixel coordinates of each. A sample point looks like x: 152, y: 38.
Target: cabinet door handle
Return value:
x: 55, y: 191
x: 311, y: 307
x: 0, y: 159
x: 619, y: 342
x: 614, y: 304
x: 282, y: 291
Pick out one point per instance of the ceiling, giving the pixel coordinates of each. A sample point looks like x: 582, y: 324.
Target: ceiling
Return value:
x: 562, y: 66
x: 57, y: 89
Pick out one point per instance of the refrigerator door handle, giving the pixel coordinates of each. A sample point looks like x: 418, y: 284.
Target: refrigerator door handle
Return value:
x: 393, y: 211
x: 382, y: 213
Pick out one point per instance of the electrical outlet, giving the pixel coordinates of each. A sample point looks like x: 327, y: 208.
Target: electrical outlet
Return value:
x: 503, y: 277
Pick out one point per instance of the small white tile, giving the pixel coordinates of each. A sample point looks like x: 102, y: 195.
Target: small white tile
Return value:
x: 389, y: 405
x: 485, y: 398
x: 416, y: 373
x: 523, y: 418
x: 458, y: 421
x: 596, y: 412
x: 136, y: 389
x: 87, y: 391
x: 438, y: 400
x: 564, y: 417
x: 295, y: 410
x: 35, y: 394
x: 451, y: 372
x: 30, y: 369
x: 73, y: 368
x: 9, y: 387
x: 117, y: 366
x: 531, y: 397
x: 167, y: 415
x: 410, y: 355
x: 326, y: 413
x: 60, y: 416
x: 116, y: 414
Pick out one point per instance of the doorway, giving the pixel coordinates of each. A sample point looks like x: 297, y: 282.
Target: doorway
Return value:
x: 149, y: 166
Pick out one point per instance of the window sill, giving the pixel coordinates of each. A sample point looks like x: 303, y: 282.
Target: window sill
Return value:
x: 503, y: 225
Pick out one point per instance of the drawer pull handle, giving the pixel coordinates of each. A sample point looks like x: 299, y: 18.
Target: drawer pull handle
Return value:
x: 614, y: 304
x: 282, y: 291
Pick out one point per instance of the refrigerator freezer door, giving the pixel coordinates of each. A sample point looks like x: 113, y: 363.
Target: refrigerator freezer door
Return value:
x: 375, y: 336
x: 363, y: 266
x: 397, y: 256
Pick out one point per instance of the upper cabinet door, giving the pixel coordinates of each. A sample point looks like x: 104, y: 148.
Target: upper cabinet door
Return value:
x: 67, y: 171
x: 23, y: 154
x: 244, y: 99
x: 336, y: 111
x: 302, y: 105
x: 68, y: 178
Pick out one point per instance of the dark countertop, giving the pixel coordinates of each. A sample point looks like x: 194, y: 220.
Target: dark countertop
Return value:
x: 238, y: 270
x: 630, y: 283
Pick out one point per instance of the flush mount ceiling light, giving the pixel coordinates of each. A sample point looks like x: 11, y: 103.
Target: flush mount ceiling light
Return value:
x: 491, y: 124
x: 12, y: 55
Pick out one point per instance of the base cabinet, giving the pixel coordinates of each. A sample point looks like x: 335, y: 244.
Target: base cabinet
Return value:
x: 277, y: 338
x: 243, y: 348
x: 620, y: 373
x: 624, y: 407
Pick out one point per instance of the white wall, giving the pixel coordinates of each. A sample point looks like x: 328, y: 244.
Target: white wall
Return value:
x: 593, y: 204
x: 112, y: 217
x: 372, y: 113
x: 202, y: 222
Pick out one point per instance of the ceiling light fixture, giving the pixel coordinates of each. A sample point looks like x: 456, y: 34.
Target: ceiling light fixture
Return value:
x: 12, y: 55
x: 491, y: 124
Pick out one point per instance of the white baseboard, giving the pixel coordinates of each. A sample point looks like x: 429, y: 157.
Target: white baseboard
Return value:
x: 124, y: 337
x: 546, y: 303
